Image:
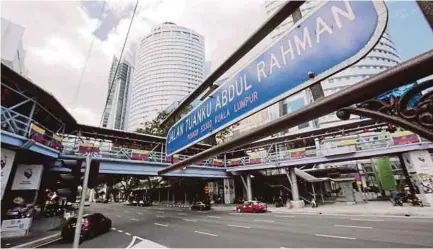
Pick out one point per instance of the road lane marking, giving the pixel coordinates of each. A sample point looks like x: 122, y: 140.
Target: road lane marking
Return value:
x: 118, y: 215
x: 139, y: 213
x: 333, y: 236
x: 190, y: 220
x: 162, y: 225
x: 120, y: 231
x: 160, y: 211
x: 367, y: 220
x: 113, y: 228
x: 128, y: 234
x: 285, y: 216
x: 126, y: 211
x: 160, y: 216
x: 212, y: 216
x: 264, y: 220
x: 210, y: 234
x: 183, y: 214
x: 354, y: 226
x: 135, y: 220
x: 230, y: 225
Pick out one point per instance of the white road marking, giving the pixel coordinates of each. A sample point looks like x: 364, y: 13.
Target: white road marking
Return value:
x: 190, y: 220
x: 210, y: 234
x: 183, y: 214
x: 160, y: 216
x: 126, y: 211
x: 160, y: 211
x: 139, y: 213
x: 113, y: 228
x: 230, y: 225
x: 203, y: 212
x: 162, y: 225
x: 135, y: 220
x: 264, y: 220
x: 333, y: 236
x: 118, y: 215
x: 367, y: 220
x: 354, y: 226
x: 128, y: 234
x: 144, y: 243
x: 285, y: 216
x: 120, y: 231
x: 216, y: 217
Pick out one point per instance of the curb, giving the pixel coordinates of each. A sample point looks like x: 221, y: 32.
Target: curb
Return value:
x: 408, y: 214
x: 40, y: 242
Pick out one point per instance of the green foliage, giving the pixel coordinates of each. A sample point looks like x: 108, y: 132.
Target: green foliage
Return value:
x: 154, y: 127
x: 386, y: 176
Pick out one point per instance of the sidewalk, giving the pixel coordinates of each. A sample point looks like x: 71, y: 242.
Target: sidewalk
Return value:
x: 43, y: 230
x: 374, y: 208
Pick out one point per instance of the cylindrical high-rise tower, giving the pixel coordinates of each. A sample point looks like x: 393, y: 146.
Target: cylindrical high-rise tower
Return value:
x: 169, y: 65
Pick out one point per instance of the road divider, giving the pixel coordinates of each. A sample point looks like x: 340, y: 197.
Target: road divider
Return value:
x: 190, y: 220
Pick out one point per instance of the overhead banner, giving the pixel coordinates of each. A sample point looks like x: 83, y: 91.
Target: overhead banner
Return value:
x: 7, y: 160
x: 27, y: 177
x: 333, y: 37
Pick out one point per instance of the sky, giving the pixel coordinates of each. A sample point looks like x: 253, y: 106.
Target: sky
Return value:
x: 61, y: 36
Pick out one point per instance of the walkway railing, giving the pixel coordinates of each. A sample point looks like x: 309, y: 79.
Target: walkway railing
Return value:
x: 22, y: 125
x: 328, y: 147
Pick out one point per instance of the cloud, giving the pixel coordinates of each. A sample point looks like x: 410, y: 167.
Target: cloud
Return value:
x: 404, y: 13
x: 58, y: 36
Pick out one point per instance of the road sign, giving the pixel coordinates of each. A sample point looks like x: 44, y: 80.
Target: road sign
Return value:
x: 325, y: 41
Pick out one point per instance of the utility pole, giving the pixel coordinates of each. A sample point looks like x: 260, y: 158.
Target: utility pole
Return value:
x: 83, y: 198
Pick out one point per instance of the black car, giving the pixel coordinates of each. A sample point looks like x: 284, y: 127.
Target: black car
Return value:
x: 145, y: 203
x: 200, y: 206
x: 91, y: 226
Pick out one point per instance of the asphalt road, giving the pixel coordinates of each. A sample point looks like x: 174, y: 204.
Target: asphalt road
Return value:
x: 175, y: 228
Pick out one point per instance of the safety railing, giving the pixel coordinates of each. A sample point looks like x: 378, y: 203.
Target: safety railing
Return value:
x: 331, y: 147
x: 79, y: 147
x: 328, y: 147
x: 22, y: 125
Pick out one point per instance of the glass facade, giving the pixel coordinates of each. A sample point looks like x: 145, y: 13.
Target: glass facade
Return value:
x: 170, y: 65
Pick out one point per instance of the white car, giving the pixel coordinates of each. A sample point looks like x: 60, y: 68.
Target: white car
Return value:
x: 87, y: 203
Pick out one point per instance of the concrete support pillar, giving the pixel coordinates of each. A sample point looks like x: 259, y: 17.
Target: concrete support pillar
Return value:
x: 296, y: 202
x: 294, y: 184
x: 249, y: 188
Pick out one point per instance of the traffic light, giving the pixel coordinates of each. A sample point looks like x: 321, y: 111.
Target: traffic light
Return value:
x: 93, y: 174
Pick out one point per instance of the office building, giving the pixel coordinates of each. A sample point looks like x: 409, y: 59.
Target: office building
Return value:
x: 169, y: 65
x: 115, y: 115
x: 12, y: 51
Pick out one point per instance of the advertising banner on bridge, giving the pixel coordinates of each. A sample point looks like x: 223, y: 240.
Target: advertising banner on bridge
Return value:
x: 333, y: 37
x: 7, y: 160
x: 27, y: 177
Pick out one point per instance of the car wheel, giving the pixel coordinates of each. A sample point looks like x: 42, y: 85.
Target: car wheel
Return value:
x: 91, y: 234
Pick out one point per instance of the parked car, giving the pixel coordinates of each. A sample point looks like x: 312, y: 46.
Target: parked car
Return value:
x: 200, y: 206
x: 130, y: 203
x: 145, y: 203
x: 87, y: 203
x: 252, y: 207
x: 91, y: 226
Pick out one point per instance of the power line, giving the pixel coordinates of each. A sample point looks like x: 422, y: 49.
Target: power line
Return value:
x: 74, y: 100
x: 118, y: 64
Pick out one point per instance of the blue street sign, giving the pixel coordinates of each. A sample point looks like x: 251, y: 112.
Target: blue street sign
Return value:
x: 334, y: 37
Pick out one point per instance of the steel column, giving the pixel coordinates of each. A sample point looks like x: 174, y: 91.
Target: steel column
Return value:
x: 77, y: 236
x: 32, y: 111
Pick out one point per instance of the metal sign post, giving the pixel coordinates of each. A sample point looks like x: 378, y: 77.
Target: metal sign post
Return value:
x: 83, y: 198
x: 322, y: 43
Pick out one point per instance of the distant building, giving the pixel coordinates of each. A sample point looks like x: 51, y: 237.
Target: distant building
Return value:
x: 115, y: 115
x: 12, y: 51
x: 169, y: 66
